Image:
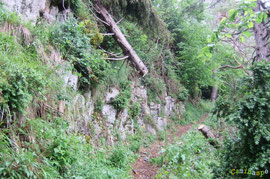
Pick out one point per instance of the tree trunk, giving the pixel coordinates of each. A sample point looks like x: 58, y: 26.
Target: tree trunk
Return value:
x: 214, y: 92
x: 261, y: 38
x: 120, y: 38
x: 208, y: 134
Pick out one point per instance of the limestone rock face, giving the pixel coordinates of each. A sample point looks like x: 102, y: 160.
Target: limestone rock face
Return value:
x: 169, y: 105
x: 31, y: 10
x: 125, y: 124
x: 155, y: 110
x: 69, y: 78
x: 79, y: 114
x: 111, y: 95
x: 161, y: 123
x: 139, y: 94
x: 109, y: 113
x: 28, y: 9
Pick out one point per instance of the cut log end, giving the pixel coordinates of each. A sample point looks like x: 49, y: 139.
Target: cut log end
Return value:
x: 201, y: 127
x: 209, y: 135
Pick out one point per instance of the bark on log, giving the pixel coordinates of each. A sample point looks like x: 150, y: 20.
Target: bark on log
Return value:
x: 61, y: 107
x: 208, y: 134
x: 120, y: 38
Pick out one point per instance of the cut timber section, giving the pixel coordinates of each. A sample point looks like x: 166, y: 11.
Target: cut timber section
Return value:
x: 209, y: 135
x: 120, y: 38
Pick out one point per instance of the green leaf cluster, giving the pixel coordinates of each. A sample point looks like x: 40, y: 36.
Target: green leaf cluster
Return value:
x: 22, y: 77
x: 75, y: 46
x: 176, y: 159
x: 122, y: 100
x: 250, y: 116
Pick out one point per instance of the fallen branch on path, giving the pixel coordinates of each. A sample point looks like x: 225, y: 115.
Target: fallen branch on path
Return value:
x: 209, y: 135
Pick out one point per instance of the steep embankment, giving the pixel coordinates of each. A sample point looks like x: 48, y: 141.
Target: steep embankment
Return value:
x: 98, y: 96
x: 66, y: 109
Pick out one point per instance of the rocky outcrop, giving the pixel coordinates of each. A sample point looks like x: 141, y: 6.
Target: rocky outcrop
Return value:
x: 80, y: 110
x: 28, y: 9
x: 109, y: 113
x: 31, y: 10
x: 113, y: 92
x: 108, y: 121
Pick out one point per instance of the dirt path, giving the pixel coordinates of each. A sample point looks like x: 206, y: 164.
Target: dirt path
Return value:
x: 142, y: 168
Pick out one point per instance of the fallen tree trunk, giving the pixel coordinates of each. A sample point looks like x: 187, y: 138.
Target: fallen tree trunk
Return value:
x: 120, y: 38
x: 208, y: 134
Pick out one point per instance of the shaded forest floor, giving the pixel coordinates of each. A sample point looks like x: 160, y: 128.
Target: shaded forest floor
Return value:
x: 142, y: 168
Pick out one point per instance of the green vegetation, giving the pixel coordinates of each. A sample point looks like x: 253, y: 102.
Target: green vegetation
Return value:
x: 46, y: 148
x: 134, y: 110
x: 122, y: 100
x: 193, y: 113
x: 22, y: 76
x: 250, y: 116
x: 193, y: 51
x: 75, y: 46
x: 139, y: 139
x: 176, y: 159
x: 51, y: 151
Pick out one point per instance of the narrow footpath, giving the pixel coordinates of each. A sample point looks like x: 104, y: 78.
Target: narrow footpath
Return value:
x: 142, y: 168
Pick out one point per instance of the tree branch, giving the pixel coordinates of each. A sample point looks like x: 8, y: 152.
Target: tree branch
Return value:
x: 107, y: 34
x: 229, y: 66
x: 117, y: 59
x: 110, y: 53
x: 235, y: 67
x: 119, y: 20
x: 98, y: 17
x: 241, y: 65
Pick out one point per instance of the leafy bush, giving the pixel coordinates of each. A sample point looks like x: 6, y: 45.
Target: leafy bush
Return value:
x: 53, y: 151
x: 191, y: 114
x: 134, y: 110
x: 184, y: 94
x: 75, y: 45
x: 22, y: 85
x: 192, y: 158
x: 90, y: 28
x: 79, y: 8
x: 71, y: 40
x: 22, y: 77
x: 122, y: 100
x: 249, y: 116
x: 118, y: 157
x: 155, y: 88
x: 23, y: 164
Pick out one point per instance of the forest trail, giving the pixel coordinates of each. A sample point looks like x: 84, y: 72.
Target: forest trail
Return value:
x: 142, y: 168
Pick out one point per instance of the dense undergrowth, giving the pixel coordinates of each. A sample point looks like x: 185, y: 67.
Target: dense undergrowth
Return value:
x: 191, y: 155
x: 35, y: 144
x: 33, y: 147
x: 49, y: 150
x: 177, y: 43
x: 194, y: 112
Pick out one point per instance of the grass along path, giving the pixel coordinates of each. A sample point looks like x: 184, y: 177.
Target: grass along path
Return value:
x: 142, y: 168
